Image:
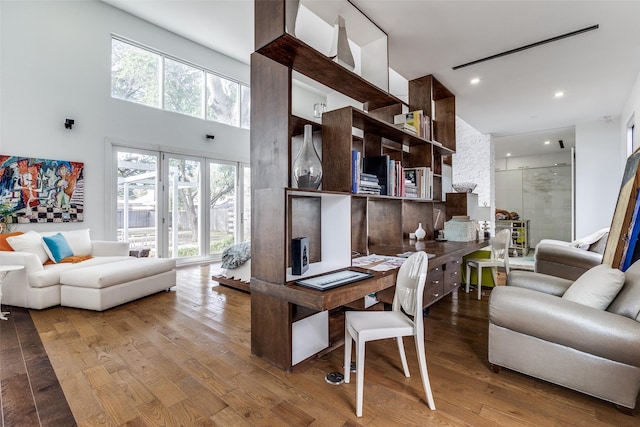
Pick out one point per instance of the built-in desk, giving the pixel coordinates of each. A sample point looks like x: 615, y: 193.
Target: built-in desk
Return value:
x: 276, y: 308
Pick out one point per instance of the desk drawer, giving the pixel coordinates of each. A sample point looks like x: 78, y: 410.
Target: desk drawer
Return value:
x: 434, y: 288
x: 452, y: 275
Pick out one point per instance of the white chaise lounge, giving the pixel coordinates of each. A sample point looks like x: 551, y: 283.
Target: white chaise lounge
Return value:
x: 109, y: 278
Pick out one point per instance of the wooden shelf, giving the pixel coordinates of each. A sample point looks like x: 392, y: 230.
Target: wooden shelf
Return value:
x: 329, y: 299
x: 299, y: 56
x: 336, y: 222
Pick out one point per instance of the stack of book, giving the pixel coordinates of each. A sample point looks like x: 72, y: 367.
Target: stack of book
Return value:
x: 422, y: 179
x: 410, y: 188
x: 414, y: 122
x: 361, y: 182
x: 369, y: 184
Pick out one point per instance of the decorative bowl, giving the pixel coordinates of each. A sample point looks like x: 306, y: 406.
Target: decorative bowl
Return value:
x: 465, y: 187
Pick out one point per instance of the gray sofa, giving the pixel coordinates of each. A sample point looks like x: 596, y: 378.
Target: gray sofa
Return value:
x: 534, y: 331
x: 561, y: 259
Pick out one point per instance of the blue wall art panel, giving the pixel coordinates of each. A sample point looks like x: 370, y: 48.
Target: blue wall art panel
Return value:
x: 41, y: 190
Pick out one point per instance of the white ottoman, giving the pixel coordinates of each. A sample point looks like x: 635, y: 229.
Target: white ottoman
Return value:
x: 103, y: 286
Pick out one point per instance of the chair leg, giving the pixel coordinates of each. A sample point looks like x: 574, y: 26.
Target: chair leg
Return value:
x: 468, y: 278
x: 494, y: 275
x: 359, y: 376
x: 403, y: 356
x: 479, y: 269
x: 348, y: 341
x: 422, y: 361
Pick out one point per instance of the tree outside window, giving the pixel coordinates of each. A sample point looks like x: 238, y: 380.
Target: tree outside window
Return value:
x: 183, y: 88
x: 135, y: 74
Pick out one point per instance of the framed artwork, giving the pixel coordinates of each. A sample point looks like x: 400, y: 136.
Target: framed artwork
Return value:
x: 620, y: 251
x: 41, y: 190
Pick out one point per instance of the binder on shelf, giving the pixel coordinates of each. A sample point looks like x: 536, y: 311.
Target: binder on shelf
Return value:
x: 378, y: 166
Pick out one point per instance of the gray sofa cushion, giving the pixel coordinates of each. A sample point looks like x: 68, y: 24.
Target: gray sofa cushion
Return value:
x: 627, y: 302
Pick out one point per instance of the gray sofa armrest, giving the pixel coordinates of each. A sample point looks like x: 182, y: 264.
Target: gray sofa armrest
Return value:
x: 551, y: 285
x: 566, y: 323
x: 109, y: 248
x: 564, y: 261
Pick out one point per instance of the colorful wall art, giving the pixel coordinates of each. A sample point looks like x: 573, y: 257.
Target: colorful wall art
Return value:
x: 41, y: 190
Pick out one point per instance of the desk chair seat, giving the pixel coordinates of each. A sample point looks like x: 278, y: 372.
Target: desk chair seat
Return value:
x: 499, y: 258
x: 363, y: 326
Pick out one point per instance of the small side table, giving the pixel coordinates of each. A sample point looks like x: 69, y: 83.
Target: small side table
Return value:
x: 4, y: 270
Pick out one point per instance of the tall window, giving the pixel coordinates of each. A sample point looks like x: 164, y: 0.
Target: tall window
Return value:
x: 183, y: 88
x: 135, y: 74
x: 223, y: 100
x: 158, y: 80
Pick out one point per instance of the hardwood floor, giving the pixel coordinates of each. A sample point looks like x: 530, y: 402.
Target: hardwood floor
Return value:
x: 182, y: 358
x: 31, y: 394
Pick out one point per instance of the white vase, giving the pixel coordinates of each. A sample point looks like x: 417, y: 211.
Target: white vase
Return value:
x: 340, y: 50
x: 420, y: 233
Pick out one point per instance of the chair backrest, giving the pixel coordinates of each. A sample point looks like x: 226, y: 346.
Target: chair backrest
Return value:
x: 500, y: 247
x: 410, y: 284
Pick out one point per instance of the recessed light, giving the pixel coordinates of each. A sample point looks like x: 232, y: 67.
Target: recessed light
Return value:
x: 547, y: 142
x: 475, y: 81
x: 508, y: 154
x: 558, y: 94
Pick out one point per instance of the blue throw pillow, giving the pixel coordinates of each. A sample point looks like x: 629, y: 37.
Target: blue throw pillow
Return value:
x: 57, y: 247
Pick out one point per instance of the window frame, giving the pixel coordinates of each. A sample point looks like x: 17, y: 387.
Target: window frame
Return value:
x: 165, y: 56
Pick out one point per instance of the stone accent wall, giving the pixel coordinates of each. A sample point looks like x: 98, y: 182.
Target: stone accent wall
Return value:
x: 474, y: 161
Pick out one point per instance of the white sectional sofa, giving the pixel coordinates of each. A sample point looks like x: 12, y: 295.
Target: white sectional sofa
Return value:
x: 109, y: 278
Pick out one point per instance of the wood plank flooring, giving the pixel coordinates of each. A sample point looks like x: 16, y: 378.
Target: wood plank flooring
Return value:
x: 182, y: 358
x: 31, y: 394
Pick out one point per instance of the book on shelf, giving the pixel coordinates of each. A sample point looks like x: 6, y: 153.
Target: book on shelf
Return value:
x: 415, y: 122
x: 356, y: 167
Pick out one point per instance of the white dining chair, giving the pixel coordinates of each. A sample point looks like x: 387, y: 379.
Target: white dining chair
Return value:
x: 499, y: 258
x: 363, y: 326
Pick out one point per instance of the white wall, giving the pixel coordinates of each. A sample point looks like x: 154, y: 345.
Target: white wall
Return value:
x: 631, y: 115
x: 55, y: 62
x: 599, y: 168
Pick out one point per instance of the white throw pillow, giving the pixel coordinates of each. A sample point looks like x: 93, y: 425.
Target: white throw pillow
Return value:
x: 79, y: 241
x: 596, y: 287
x: 29, y: 242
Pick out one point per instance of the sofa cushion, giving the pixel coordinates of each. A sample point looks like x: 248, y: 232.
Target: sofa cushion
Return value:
x: 78, y: 240
x: 597, y: 287
x: 50, y: 275
x: 627, y: 302
x: 29, y: 242
x: 106, y: 275
x: 4, y: 245
x: 592, y: 238
x: 57, y: 247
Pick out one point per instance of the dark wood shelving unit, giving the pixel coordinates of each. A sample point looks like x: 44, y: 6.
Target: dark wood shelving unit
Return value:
x: 337, y: 222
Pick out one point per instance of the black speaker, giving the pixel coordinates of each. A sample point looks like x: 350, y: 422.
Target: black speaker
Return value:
x: 299, y: 255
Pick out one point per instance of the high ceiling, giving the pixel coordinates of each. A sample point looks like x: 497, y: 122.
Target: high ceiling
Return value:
x: 514, y: 100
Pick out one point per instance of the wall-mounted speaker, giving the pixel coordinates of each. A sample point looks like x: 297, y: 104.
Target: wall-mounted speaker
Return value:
x: 299, y: 255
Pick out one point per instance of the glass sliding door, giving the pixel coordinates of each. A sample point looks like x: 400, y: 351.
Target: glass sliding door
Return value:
x: 183, y: 216
x: 222, y: 206
x: 180, y: 206
x: 245, y: 218
x: 137, y: 199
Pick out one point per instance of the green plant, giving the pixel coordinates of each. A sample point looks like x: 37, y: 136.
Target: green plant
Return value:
x: 6, y: 218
